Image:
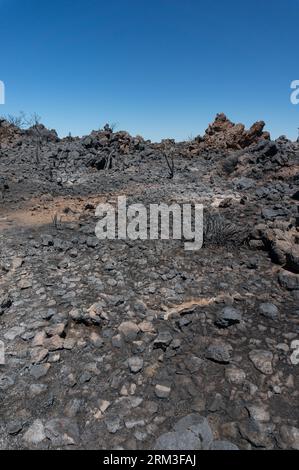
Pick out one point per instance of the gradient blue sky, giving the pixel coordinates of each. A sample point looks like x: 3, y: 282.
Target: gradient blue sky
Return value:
x: 159, y: 68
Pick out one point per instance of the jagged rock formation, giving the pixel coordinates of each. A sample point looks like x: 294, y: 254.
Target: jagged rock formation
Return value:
x: 224, y: 134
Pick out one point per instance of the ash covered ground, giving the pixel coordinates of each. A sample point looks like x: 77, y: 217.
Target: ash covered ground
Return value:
x: 122, y: 344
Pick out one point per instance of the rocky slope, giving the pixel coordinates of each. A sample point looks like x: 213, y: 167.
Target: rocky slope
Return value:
x: 139, y: 345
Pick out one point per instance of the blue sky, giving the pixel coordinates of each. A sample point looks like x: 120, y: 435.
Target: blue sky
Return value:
x: 159, y: 68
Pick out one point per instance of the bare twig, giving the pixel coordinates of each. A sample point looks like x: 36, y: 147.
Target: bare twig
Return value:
x: 108, y: 162
x: 170, y: 163
x: 56, y: 220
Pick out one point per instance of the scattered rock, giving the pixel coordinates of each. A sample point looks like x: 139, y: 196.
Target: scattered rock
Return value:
x: 39, y: 370
x: 163, y: 340
x: 62, y: 432
x: 258, y: 413
x: 235, y: 375
x: 162, y: 391
x: 289, y: 280
x: 223, y: 445
x: 35, y: 433
x: 262, y: 360
x: 198, y: 426
x: 129, y: 330
x: 135, y: 364
x: 180, y: 440
x: 227, y: 317
x: 290, y: 437
x: 219, y: 352
x: 268, y: 310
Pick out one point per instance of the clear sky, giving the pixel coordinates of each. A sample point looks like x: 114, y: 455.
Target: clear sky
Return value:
x: 159, y: 68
